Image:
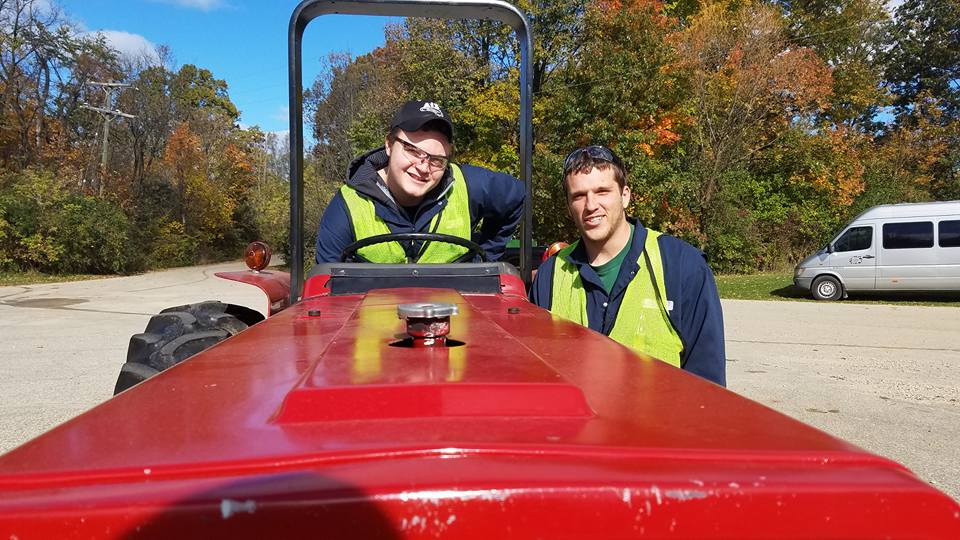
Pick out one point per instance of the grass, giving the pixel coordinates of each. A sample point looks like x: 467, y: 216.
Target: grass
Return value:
x: 779, y: 286
x: 763, y: 286
x: 33, y: 278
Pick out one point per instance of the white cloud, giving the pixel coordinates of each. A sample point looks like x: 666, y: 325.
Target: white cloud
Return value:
x: 282, y: 114
x: 131, y: 46
x: 204, y: 5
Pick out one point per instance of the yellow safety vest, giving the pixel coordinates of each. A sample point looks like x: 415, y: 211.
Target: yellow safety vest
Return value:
x: 643, y: 322
x: 454, y: 220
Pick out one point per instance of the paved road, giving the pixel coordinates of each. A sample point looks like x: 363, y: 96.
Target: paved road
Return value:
x: 63, y: 343
x: 886, y: 378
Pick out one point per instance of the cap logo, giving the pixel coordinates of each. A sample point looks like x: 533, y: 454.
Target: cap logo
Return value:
x: 432, y: 107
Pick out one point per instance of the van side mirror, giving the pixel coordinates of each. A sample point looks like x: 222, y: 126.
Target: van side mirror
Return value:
x: 830, y: 248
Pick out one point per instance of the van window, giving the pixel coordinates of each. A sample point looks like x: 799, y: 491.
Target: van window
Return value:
x: 950, y: 233
x: 918, y: 234
x: 856, y: 238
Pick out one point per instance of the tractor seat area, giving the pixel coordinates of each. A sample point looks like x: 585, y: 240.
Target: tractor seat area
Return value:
x: 359, y: 278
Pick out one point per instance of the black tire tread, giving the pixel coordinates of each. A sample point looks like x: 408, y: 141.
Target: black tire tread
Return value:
x: 179, y: 332
x: 187, y: 345
x: 132, y: 373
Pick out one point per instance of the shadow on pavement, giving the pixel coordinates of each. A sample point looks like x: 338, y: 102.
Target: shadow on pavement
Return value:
x: 909, y: 296
x: 948, y: 298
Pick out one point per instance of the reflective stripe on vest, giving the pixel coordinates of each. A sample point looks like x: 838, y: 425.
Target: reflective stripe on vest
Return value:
x: 454, y: 220
x: 643, y: 323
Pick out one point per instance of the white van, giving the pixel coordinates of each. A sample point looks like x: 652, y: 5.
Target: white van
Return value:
x: 892, y: 247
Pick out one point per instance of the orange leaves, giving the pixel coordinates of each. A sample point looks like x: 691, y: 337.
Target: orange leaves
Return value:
x: 182, y: 153
x: 210, y: 179
x: 801, y: 80
x: 920, y: 156
x: 831, y: 164
x: 654, y: 7
x: 235, y: 162
x: 660, y: 131
x: 748, y: 84
x: 744, y: 60
x: 665, y: 130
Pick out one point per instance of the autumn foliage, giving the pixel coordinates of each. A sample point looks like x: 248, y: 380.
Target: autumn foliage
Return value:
x: 176, y: 184
x: 751, y: 129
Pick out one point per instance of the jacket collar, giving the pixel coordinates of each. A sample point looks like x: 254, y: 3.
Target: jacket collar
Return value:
x: 578, y: 256
x: 363, y: 175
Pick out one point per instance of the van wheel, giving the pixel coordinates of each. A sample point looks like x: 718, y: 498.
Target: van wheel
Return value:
x: 826, y: 288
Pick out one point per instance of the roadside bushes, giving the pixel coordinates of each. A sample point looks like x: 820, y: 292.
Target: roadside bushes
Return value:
x: 92, y: 235
x: 46, y: 228
x: 167, y: 245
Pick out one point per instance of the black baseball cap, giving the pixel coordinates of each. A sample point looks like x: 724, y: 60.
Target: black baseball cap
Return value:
x: 415, y: 114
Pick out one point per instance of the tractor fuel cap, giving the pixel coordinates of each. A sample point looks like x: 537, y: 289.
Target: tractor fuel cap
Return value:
x: 423, y: 310
x: 428, y: 323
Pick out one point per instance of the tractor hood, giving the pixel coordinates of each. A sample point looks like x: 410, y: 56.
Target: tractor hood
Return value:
x: 319, y: 421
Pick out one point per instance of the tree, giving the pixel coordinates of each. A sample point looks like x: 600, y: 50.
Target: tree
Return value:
x: 919, y: 160
x: 620, y: 91
x: 43, y: 65
x: 924, y: 57
x: 850, y: 37
x: 184, y: 162
x: 196, y: 89
x: 150, y: 97
x: 350, y: 95
x: 748, y: 85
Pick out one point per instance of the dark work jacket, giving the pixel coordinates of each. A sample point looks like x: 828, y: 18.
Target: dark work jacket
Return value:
x: 495, y: 200
x: 690, y: 285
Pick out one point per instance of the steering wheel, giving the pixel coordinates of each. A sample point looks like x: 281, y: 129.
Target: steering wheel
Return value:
x: 349, y: 253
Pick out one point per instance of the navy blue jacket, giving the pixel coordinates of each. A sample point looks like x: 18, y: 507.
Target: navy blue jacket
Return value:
x: 696, y: 312
x: 495, y: 200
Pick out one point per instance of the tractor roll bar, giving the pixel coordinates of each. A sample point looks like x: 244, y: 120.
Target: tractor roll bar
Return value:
x: 495, y: 10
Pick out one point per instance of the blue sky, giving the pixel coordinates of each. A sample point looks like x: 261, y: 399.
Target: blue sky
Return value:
x: 243, y: 42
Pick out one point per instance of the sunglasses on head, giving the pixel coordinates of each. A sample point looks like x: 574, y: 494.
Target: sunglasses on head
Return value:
x: 594, y: 152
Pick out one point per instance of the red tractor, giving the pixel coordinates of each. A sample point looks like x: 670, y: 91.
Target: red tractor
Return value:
x: 423, y: 401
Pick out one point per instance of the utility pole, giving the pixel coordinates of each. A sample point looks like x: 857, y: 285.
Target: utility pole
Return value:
x: 109, y: 114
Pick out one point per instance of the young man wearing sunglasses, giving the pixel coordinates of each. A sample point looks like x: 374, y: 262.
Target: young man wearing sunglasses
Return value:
x: 649, y: 291
x: 410, y: 185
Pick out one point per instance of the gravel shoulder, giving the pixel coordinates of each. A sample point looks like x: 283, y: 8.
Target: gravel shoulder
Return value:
x: 884, y: 377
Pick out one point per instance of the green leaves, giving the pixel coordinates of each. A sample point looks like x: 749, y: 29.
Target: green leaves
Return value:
x: 45, y: 228
x: 751, y: 129
x: 924, y: 55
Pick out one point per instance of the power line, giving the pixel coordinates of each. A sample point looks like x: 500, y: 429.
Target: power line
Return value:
x: 109, y: 114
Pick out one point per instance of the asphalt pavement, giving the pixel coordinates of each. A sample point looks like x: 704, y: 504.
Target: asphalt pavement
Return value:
x: 884, y: 377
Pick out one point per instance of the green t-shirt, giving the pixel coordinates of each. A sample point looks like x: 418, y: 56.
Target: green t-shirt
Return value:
x: 608, y: 271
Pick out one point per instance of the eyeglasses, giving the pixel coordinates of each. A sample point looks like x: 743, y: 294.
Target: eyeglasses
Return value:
x: 575, y: 159
x: 415, y: 153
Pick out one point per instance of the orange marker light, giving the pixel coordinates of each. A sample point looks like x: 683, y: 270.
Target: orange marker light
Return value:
x: 257, y: 256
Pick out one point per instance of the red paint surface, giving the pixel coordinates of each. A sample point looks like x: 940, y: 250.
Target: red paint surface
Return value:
x: 276, y: 285
x: 535, y: 428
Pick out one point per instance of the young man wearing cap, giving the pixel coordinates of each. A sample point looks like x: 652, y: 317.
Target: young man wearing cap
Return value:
x: 410, y: 185
x: 649, y: 291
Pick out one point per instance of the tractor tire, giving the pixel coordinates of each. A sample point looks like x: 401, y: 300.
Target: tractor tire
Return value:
x: 179, y: 332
